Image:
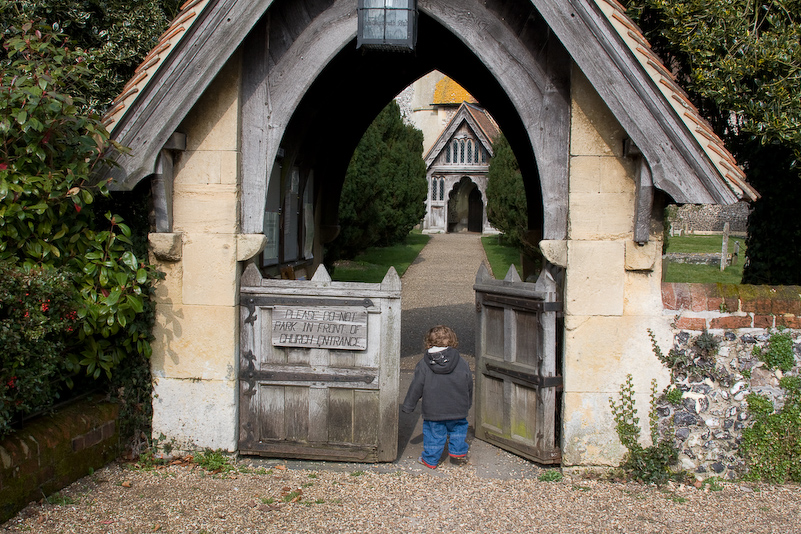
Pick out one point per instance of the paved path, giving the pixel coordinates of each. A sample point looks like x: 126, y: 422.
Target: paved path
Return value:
x: 438, y: 289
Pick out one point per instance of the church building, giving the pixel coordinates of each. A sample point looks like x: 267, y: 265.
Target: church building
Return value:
x: 458, y: 135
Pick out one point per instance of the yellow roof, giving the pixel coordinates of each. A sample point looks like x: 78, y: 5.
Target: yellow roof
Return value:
x: 448, y: 91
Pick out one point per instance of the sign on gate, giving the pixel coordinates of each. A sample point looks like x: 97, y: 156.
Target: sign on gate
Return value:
x: 319, y: 328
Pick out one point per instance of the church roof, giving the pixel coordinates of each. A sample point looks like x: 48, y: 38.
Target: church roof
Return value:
x: 484, y: 120
x: 447, y: 91
x: 187, y: 16
x: 598, y: 35
x: 476, y: 118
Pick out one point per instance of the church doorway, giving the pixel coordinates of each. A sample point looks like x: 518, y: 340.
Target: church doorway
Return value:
x: 475, y: 211
x: 465, y: 207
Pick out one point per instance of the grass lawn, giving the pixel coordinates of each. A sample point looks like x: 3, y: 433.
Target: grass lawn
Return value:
x: 703, y: 274
x: 703, y: 243
x: 372, y: 265
x: 501, y: 256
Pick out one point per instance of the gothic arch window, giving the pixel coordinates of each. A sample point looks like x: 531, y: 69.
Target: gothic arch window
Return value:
x: 465, y: 150
x: 437, y: 188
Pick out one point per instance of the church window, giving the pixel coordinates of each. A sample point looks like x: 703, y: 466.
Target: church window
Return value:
x: 291, y: 216
x: 448, y: 153
x: 469, y: 151
x: 442, y: 188
x: 308, y: 218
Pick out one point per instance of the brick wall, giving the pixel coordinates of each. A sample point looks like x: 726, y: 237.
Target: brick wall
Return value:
x: 53, y: 451
x: 729, y: 307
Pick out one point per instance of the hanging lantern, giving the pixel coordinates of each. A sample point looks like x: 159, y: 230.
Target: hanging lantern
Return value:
x: 387, y: 24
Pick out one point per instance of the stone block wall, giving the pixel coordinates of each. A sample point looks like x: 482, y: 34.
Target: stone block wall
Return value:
x: 612, y: 285
x: 708, y: 423
x: 53, y: 451
x: 195, y: 357
x: 693, y: 218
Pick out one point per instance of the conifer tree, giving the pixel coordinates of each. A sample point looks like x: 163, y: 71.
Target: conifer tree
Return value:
x: 384, y: 193
x: 507, y: 209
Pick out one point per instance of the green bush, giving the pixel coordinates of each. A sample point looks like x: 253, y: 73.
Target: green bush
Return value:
x: 779, y: 352
x: 652, y: 464
x: 772, y: 445
x: 51, y: 144
x: 37, y: 318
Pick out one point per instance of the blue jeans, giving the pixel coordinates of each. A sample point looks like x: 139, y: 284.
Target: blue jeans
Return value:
x: 436, y: 433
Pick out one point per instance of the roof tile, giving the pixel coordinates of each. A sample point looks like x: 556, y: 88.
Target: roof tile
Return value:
x: 168, y: 40
x: 709, y: 141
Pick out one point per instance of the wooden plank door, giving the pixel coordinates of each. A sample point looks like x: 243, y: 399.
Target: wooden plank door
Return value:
x: 319, y: 368
x: 518, y: 376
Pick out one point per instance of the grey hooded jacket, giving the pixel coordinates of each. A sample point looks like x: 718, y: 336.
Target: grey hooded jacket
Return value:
x: 444, y: 380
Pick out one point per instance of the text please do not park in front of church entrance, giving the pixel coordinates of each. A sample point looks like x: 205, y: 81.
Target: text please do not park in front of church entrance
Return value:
x: 342, y: 328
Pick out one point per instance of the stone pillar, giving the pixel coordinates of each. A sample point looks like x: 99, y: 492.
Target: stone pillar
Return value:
x: 195, y: 359
x: 612, y: 286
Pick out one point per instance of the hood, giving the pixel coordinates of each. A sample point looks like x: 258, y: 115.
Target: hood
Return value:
x: 442, y: 362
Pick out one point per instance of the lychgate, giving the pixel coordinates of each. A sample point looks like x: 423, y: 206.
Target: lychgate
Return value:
x: 242, y: 122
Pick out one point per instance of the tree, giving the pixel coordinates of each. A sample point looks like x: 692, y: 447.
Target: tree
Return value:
x: 115, y: 34
x: 740, y: 61
x: 507, y: 208
x: 50, y: 143
x: 383, y: 196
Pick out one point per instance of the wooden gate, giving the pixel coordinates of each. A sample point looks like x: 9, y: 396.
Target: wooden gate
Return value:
x: 319, y: 367
x: 518, y: 372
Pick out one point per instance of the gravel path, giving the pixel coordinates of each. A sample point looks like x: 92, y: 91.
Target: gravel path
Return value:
x: 438, y: 289
x: 181, y: 499
x: 497, y: 492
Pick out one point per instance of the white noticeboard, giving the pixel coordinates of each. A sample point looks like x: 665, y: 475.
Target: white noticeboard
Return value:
x: 342, y: 328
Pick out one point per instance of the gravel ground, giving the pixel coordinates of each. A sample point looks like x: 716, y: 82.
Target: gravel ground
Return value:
x: 497, y: 492
x: 360, y: 498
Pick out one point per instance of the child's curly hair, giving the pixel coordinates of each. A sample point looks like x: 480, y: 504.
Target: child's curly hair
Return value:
x: 441, y: 336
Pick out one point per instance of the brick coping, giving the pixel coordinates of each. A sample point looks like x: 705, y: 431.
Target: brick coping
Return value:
x: 732, y: 306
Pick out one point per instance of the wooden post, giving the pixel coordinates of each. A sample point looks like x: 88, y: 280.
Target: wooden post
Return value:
x: 724, y: 253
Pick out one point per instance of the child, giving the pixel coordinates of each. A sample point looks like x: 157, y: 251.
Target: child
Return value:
x: 443, y: 378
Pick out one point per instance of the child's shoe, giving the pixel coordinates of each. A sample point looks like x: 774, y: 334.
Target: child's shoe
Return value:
x: 459, y: 460
x: 425, y: 463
